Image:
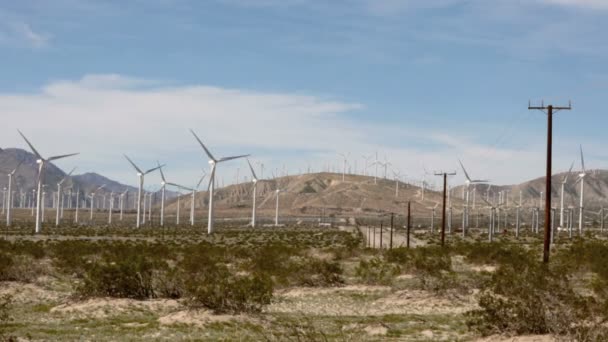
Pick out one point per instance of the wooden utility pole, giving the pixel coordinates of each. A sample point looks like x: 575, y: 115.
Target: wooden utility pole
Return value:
x: 549, y: 110
x: 408, y: 223
x: 445, y: 187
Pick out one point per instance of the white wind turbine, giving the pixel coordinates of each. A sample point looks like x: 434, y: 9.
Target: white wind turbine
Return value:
x: 397, y: 176
x: 122, y: 202
x: 213, y: 162
x: 344, y: 162
x: 93, y: 200
x: 254, y: 180
x: 276, y: 214
x: 163, y: 184
x: 10, y: 191
x: 193, y: 194
x: 561, y: 208
x: 41, y: 172
x: 468, y: 183
x: 59, y: 195
x: 140, y: 175
x: 581, y: 179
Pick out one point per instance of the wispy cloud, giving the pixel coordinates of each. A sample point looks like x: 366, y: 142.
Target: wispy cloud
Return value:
x: 22, y: 34
x: 103, y: 116
x: 591, y: 4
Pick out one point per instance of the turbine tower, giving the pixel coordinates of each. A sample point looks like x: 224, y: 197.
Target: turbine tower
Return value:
x: 468, y: 183
x: 9, y: 216
x: 41, y: 172
x: 93, y: 200
x: 163, y: 184
x: 59, y: 195
x: 561, y: 208
x: 140, y: 175
x: 213, y: 162
x: 254, y: 180
x: 581, y: 179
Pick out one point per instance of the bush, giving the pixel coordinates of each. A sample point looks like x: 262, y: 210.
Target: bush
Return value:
x: 217, y: 289
x: 527, y: 297
x: 129, y: 278
x: 319, y: 273
x: 377, y: 271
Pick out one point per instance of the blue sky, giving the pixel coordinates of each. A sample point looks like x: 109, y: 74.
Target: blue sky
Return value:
x: 295, y: 82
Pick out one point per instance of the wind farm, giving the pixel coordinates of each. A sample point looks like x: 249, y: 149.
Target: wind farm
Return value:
x: 303, y: 170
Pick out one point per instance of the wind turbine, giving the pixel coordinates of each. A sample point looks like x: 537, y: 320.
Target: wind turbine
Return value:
x: 344, y: 162
x: 468, y: 183
x: 163, y: 184
x: 254, y: 180
x: 59, y: 195
x: 193, y: 189
x: 213, y: 162
x: 561, y: 209
x: 93, y: 200
x: 41, y: 172
x: 581, y: 179
x: 10, y: 191
x: 276, y: 214
x: 140, y: 175
x: 397, y: 176
x: 122, y: 202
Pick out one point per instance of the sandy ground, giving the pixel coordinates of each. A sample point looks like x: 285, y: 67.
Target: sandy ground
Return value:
x: 361, y: 300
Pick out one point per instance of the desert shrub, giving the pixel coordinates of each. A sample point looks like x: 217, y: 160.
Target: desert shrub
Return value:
x: 5, y: 317
x: 125, y: 278
x: 481, y: 252
x: 318, y: 272
x: 527, y: 297
x: 218, y: 289
x: 377, y: 271
x: 6, y: 262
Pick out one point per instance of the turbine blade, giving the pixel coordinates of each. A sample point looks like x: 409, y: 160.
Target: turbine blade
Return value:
x: 17, y: 167
x: 251, y: 168
x: 200, y: 181
x: 135, y: 166
x: 62, y: 156
x: 464, y: 171
x: 203, y: 146
x: 212, y: 177
x: 31, y: 146
x: 231, y: 158
x: 162, y: 175
x: 153, y: 169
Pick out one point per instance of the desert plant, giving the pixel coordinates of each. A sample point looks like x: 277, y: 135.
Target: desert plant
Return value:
x: 377, y: 271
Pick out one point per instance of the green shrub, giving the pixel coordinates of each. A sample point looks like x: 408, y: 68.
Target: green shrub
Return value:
x: 317, y: 272
x: 527, y: 297
x: 218, y: 289
x: 129, y: 278
x: 377, y: 271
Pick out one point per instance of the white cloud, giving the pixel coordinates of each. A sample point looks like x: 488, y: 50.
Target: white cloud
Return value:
x: 19, y: 33
x: 104, y: 116
x: 592, y: 4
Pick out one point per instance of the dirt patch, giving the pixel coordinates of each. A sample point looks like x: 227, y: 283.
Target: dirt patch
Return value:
x: 484, y: 268
x: 366, y: 301
x: 196, y: 317
x: 105, y: 307
x: 310, y: 291
x: 376, y: 330
x: 525, y: 338
x: 29, y: 293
